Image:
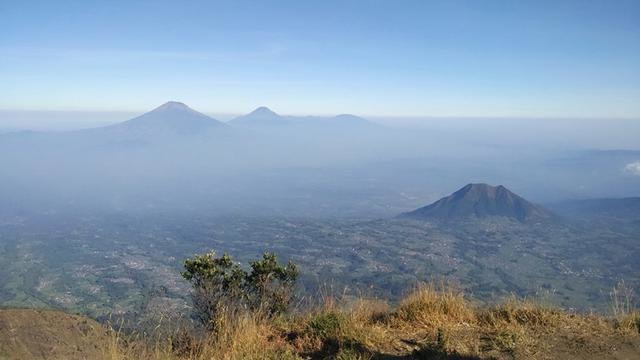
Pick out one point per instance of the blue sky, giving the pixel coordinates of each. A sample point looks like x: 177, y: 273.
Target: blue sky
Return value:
x: 404, y: 58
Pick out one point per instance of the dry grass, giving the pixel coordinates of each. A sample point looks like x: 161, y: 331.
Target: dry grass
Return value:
x: 430, y: 323
x: 244, y: 337
x: 430, y: 307
x: 629, y: 323
x: 624, y: 310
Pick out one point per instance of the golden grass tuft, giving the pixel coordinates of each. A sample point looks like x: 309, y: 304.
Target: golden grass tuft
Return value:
x: 430, y: 307
x: 518, y: 312
x: 629, y: 323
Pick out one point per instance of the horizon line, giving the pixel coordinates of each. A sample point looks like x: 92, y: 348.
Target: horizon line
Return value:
x: 391, y: 116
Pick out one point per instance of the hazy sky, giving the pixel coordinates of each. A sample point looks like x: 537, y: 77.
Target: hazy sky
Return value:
x: 410, y: 58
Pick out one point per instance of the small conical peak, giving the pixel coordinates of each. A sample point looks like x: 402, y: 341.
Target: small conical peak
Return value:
x: 262, y: 111
x: 259, y: 117
x: 481, y: 200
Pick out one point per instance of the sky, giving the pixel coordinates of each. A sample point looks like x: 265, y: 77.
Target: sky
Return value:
x: 372, y: 58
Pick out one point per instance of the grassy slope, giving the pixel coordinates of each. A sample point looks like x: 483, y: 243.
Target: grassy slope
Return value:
x: 50, y: 334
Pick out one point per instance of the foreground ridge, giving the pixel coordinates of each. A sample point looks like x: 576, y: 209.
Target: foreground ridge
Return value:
x: 430, y: 323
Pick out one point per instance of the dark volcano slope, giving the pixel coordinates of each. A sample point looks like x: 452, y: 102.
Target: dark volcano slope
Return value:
x: 480, y: 201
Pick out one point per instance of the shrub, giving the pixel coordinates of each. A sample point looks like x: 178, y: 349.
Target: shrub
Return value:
x: 222, y: 288
x: 218, y: 285
x: 270, y: 285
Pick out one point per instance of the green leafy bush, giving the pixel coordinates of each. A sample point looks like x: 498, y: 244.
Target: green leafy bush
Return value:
x: 222, y: 287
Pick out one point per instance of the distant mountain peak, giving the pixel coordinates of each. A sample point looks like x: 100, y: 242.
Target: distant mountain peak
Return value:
x: 262, y: 116
x: 263, y: 110
x: 173, y: 105
x: 172, y: 116
x: 479, y: 201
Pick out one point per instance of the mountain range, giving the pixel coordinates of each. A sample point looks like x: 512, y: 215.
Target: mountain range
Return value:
x: 263, y: 117
x: 324, y: 165
x: 175, y: 118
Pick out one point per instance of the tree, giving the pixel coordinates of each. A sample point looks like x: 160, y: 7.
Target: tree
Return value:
x: 222, y: 287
